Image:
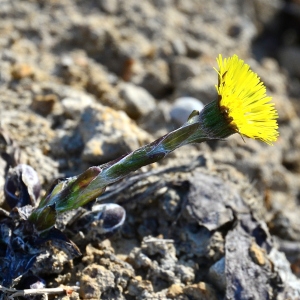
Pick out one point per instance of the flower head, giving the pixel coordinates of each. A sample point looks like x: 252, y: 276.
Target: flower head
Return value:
x: 243, y: 100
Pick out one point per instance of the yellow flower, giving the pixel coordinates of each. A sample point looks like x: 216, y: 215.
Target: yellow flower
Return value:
x: 243, y: 100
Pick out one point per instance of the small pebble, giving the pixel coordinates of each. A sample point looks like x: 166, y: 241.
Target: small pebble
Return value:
x: 138, y: 101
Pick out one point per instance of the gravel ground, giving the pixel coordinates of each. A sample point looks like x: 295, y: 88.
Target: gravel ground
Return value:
x: 84, y: 82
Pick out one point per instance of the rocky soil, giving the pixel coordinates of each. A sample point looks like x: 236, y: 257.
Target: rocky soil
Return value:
x: 84, y: 82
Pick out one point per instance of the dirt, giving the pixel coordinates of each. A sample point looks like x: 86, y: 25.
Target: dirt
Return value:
x: 84, y: 82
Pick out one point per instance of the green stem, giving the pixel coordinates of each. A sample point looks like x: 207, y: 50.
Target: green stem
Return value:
x: 210, y: 123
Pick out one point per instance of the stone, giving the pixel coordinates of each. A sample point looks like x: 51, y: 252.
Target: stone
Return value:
x: 22, y: 70
x: 185, y: 273
x: 109, y: 6
x: 74, y: 106
x: 217, y: 275
x: 108, y: 134
x: 52, y: 261
x: 286, y: 110
x: 201, y: 290
x: 89, y: 288
x: 200, y: 87
x: 156, y: 78
x: 196, y: 48
x: 257, y: 254
x: 183, y: 68
x: 240, y: 268
x: 174, y: 291
x: 288, y: 58
x: 43, y: 104
x: 183, y: 107
x: 179, y: 47
x: 95, y: 280
x: 138, y: 101
x: 25, y: 131
x: 211, y: 201
x: 282, y: 267
x: 137, y: 285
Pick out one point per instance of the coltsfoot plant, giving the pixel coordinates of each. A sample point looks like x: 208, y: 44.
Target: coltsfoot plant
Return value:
x: 241, y: 107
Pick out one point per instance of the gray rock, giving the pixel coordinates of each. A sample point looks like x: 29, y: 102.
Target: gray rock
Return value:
x: 241, y: 269
x: 74, y: 106
x: 95, y: 280
x: 200, y: 87
x: 159, y: 121
x: 183, y: 68
x: 217, y: 274
x: 243, y: 30
x: 108, y: 134
x: 138, y: 101
x: 183, y: 107
x: 109, y: 6
x: 167, y: 266
x: 185, y: 273
x: 195, y: 48
x: 289, y: 58
x: 160, y: 4
x: 200, y: 290
x: 141, y: 289
x: 210, y: 201
x: 156, y: 79
x: 179, y: 47
x: 291, y: 282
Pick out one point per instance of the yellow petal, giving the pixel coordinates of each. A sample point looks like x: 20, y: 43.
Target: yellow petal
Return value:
x: 243, y: 97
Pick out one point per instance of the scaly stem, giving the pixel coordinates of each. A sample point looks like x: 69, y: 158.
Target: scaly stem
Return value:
x: 209, y: 124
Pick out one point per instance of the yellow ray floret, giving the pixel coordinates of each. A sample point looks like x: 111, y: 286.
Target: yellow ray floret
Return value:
x: 243, y: 99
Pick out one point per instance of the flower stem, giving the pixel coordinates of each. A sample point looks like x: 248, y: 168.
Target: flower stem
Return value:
x: 208, y: 124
